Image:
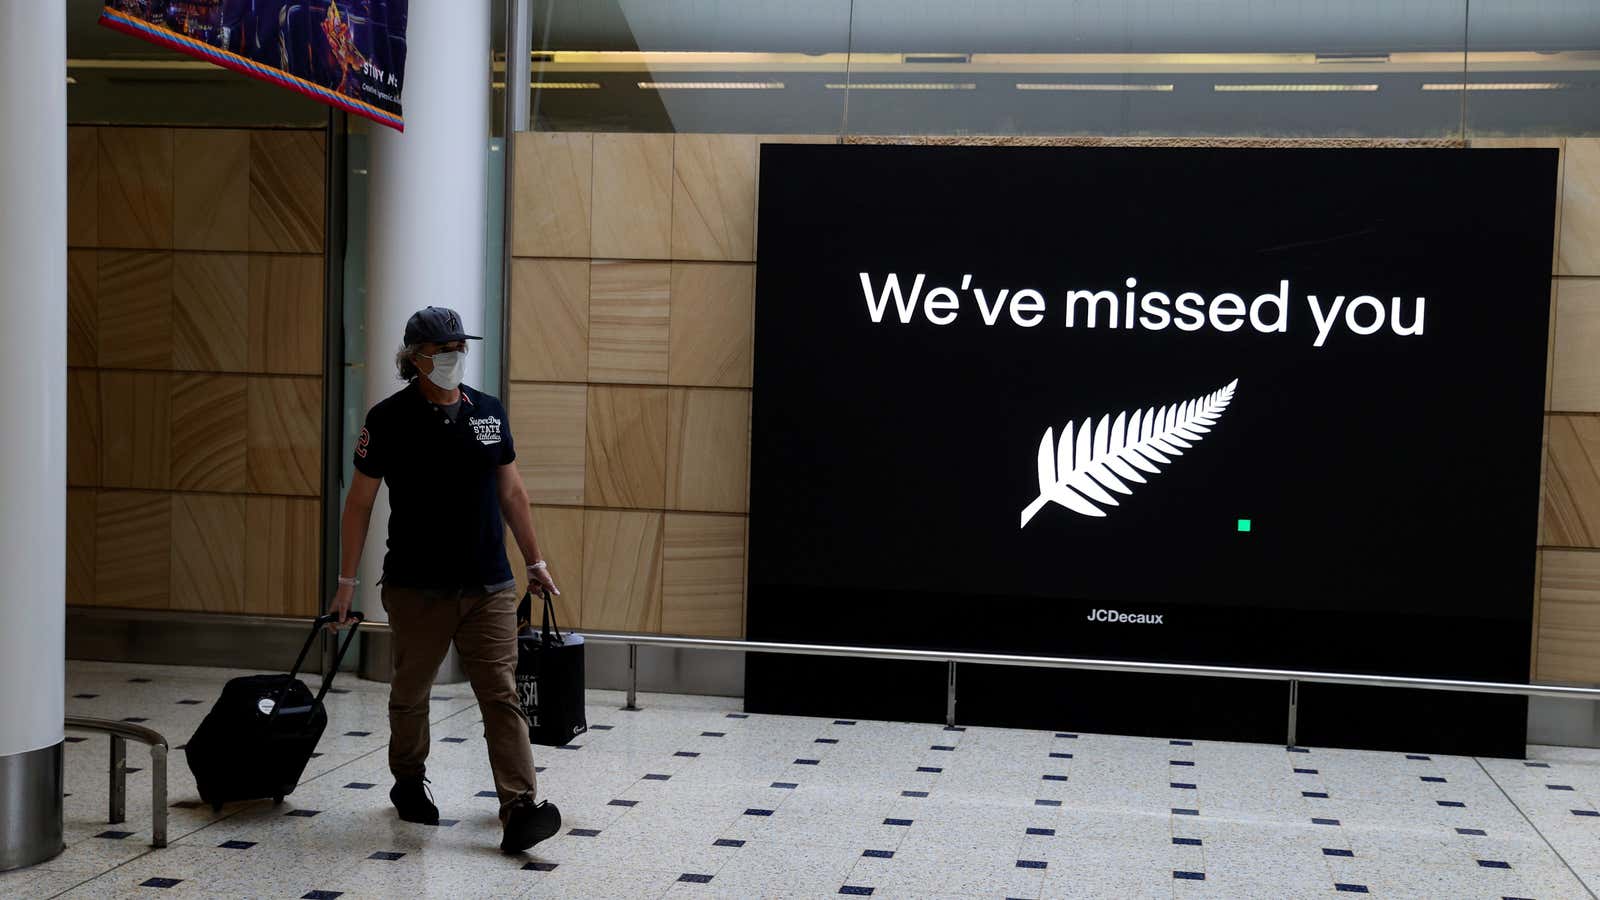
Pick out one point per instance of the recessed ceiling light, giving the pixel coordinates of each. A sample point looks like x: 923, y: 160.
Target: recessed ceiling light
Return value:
x: 1499, y: 86
x: 1292, y: 88
x: 711, y: 85
x: 905, y: 86
x: 1092, y: 86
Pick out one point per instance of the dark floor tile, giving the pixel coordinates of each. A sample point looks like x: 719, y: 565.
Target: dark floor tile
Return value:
x: 114, y: 835
x: 321, y: 895
x: 302, y: 813
x: 687, y: 754
x: 360, y: 786
x: 693, y: 878
x: 629, y: 804
x: 540, y: 867
x: 1351, y: 888
x: 856, y: 890
x: 1030, y: 864
x: 878, y: 854
x: 727, y: 842
x: 1189, y: 876
x: 387, y: 855
x: 236, y: 845
x: 161, y: 882
x: 584, y: 832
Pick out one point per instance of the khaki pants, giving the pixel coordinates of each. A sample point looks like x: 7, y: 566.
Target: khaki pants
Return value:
x: 423, y: 622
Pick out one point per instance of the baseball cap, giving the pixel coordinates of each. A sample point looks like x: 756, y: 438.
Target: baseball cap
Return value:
x: 436, y: 325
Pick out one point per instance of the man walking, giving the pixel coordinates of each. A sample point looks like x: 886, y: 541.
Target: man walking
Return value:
x: 446, y: 452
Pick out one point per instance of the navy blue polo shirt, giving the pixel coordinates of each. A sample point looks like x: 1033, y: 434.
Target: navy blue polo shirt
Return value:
x: 445, y: 524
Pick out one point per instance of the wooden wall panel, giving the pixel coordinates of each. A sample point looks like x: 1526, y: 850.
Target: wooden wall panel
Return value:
x: 83, y: 427
x: 210, y: 433
x: 133, y: 555
x: 83, y: 187
x: 560, y: 533
x: 1575, y: 375
x: 555, y: 191
x: 185, y: 281
x: 285, y: 329
x: 702, y: 575
x: 547, y: 424
x: 134, y: 173
x: 286, y: 191
x: 1569, y: 617
x: 133, y: 305
x: 632, y: 216
x: 135, y: 429
x: 549, y: 320
x: 714, y: 197
x: 708, y: 444
x: 1572, y: 482
x: 80, y: 546
x: 210, y: 311
x: 626, y: 452
x: 83, y: 326
x: 209, y: 537
x: 281, y: 557
x: 621, y: 570
x: 284, y: 445
x: 712, y: 324
x: 630, y: 307
x: 1580, y: 209
x: 211, y: 189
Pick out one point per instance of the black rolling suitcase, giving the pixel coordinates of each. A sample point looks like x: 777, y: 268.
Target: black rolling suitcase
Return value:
x: 257, y: 739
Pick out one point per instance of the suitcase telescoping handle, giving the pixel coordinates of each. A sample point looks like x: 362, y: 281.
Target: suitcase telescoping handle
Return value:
x: 355, y: 619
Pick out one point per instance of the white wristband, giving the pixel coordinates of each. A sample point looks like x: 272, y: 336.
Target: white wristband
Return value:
x: 348, y: 582
x: 541, y: 564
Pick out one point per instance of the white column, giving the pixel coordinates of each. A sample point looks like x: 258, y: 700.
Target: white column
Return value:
x: 33, y: 455
x: 426, y: 212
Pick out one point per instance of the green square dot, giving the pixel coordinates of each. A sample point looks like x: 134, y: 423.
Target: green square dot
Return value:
x: 1244, y: 524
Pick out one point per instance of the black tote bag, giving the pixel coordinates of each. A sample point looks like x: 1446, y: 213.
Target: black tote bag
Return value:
x: 549, y: 676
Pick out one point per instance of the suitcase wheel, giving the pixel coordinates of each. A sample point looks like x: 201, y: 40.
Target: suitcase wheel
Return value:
x: 277, y: 801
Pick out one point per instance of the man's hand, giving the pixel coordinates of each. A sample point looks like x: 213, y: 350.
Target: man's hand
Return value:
x: 340, y: 606
x: 541, y: 577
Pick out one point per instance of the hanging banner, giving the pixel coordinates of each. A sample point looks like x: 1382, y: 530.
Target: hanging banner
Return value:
x: 349, y: 54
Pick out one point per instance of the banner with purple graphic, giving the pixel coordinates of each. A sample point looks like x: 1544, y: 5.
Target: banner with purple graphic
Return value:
x: 347, y: 53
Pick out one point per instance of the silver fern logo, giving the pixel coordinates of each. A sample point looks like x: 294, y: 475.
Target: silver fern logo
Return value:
x: 1081, y: 471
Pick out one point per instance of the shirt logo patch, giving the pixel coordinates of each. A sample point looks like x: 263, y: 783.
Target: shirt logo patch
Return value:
x: 362, y: 442
x: 486, y: 429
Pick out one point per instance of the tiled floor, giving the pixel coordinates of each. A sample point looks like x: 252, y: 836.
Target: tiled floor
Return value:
x: 690, y: 797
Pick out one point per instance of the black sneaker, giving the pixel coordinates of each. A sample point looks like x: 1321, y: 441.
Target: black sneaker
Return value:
x: 411, y: 800
x: 528, y: 823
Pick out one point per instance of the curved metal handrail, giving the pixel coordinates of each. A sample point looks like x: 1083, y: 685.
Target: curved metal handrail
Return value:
x: 120, y: 733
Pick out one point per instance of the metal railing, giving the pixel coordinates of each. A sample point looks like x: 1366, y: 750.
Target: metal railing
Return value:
x: 121, y: 733
x: 1294, y: 677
